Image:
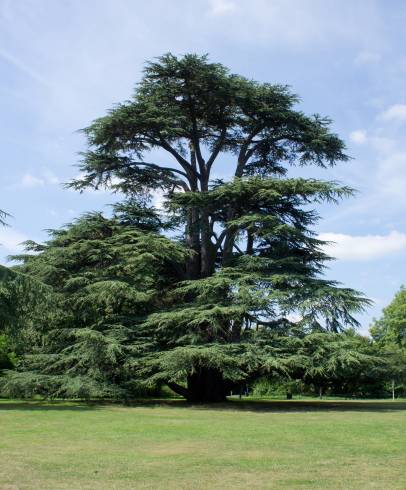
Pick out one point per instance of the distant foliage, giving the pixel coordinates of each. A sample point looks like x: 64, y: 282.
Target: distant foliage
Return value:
x: 391, y: 327
x: 389, y: 333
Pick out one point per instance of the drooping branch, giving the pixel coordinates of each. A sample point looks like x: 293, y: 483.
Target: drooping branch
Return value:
x: 160, y: 168
x: 178, y: 389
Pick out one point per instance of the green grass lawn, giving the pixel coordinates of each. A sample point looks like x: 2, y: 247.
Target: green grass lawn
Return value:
x: 298, y: 444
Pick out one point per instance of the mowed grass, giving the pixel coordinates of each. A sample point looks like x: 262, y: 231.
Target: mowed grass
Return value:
x: 175, y: 446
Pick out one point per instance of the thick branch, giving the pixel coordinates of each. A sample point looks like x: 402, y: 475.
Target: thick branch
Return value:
x: 187, y: 167
x: 220, y: 239
x: 178, y: 389
x: 242, y: 157
x: 196, y: 140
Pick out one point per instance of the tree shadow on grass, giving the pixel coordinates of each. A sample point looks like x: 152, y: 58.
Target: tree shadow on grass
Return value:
x: 231, y: 405
x: 320, y: 405
x: 47, y: 405
x: 280, y: 405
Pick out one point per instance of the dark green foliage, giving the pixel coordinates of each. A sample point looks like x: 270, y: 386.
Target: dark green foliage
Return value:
x: 345, y: 364
x: 7, y: 356
x: 216, y: 309
x: 20, y: 295
x: 339, y: 363
x: 103, y: 278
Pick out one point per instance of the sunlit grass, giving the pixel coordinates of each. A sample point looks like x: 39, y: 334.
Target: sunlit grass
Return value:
x: 299, y: 444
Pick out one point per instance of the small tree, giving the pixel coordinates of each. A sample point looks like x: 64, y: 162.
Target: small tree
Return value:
x: 389, y: 334
x: 391, y: 327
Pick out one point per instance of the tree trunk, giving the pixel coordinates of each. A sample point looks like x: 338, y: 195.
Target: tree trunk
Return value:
x: 393, y: 389
x: 206, y: 386
x: 250, y: 243
x: 207, y: 249
x: 193, y: 227
x: 193, y: 242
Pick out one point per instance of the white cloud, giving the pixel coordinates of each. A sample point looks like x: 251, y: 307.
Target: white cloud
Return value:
x: 221, y: 7
x: 396, y: 112
x: 10, y: 240
x: 28, y: 180
x: 367, y: 58
x: 363, y: 248
x: 358, y: 136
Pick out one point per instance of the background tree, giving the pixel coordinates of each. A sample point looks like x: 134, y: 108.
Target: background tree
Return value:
x: 342, y: 364
x: 389, y: 334
x: 391, y: 327
x: 328, y: 363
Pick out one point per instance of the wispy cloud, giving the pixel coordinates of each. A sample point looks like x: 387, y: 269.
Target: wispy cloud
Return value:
x: 396, y: 112
x: 222, y: 7
x: 367, y: 58
x: 358, y: 136
x: 28, y: 180
x: 302, y: 24
x: 23, y: 67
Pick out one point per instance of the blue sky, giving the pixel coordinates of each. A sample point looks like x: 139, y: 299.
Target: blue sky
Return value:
x: 64, y: 63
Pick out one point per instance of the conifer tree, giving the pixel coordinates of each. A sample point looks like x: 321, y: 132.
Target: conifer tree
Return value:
x: 99, y: 278
x: 249, y: 261
x: 254, y: 258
